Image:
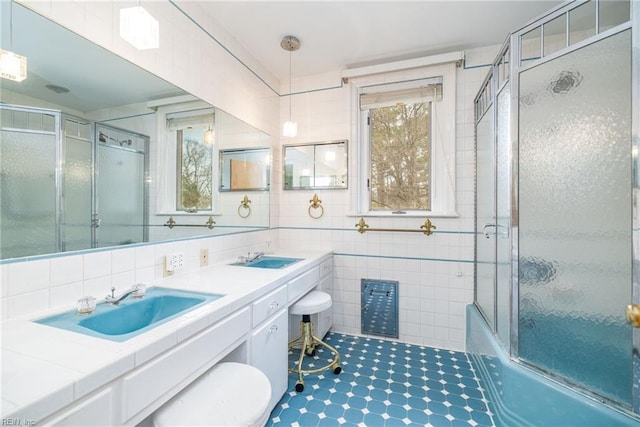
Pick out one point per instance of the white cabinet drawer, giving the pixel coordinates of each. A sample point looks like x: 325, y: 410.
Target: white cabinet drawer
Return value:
x: 94, y: 411
x: 326, y: 267
x: 303, y: 284
x: 269, y: 305
x: 159, y: 376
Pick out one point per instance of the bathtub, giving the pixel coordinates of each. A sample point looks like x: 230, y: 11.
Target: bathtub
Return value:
x: 520, y: 397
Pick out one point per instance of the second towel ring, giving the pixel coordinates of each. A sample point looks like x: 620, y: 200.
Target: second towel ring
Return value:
x: 244, y: 206
x: 316, y: 203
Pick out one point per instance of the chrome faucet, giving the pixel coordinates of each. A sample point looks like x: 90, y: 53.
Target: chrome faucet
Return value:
x: 136, y: 290
x: 254, y: 257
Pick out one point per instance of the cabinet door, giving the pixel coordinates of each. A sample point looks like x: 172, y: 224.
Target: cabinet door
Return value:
x: 269, y: 353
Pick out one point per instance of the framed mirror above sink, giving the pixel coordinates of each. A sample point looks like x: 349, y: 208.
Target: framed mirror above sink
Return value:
x: 322, y: 165
x: 245, y: 169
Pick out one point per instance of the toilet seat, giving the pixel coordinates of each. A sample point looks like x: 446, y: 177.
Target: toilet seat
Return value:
x: 229, y: 394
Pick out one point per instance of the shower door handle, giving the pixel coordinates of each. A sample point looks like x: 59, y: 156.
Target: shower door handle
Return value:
x: 633, y: 315
x: 486, y: 232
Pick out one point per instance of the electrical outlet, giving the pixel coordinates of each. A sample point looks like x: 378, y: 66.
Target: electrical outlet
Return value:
x: 175, y: 261
x: 204, y: 257
x: 165, y: 263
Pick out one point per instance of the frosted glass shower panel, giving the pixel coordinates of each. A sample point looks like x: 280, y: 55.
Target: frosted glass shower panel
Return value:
x: 27, y: 188
x: 77, y: 182
x: 486, y: 217
x: 503, y: 214
x: 574, y: 217
x: 121, y: 196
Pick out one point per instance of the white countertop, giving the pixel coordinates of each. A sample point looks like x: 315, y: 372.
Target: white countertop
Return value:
x: 45, y: 369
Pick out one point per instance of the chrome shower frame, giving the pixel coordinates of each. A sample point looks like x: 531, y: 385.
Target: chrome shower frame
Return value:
x: 493, y: 86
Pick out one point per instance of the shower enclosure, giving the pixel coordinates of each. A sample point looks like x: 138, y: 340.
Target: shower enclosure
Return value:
x: 68, y: 183
x: 557, y: 134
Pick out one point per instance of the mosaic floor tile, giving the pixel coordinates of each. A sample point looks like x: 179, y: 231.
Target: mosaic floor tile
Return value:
x: 384, y: 383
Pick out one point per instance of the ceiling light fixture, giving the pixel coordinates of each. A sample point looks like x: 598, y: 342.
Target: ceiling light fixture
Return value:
x: 290, y: 43
x: 12, y: 66
x: 139, y: 28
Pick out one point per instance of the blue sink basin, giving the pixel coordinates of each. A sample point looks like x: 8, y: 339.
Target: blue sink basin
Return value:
x: 132, y: 316
x: 270, y: 262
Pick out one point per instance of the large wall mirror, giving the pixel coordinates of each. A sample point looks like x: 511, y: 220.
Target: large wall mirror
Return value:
x: 97, y: 152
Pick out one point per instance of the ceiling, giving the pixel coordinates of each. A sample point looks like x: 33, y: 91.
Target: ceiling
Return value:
x: 336, y: 35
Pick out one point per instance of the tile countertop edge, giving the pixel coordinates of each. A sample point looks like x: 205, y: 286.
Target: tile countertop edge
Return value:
x: 246, y: 287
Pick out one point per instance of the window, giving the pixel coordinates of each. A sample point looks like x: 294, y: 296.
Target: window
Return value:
x: 400, y: 147
x: 195, y: 139
x: 195, y: 170
x: 407, y: 144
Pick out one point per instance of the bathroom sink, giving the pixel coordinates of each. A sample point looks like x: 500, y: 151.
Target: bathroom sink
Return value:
x: 132, y: 316
x: 269, y: 262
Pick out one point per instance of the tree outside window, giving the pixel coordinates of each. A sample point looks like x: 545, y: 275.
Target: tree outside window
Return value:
x: 400, y: 174
x: 195, y: 177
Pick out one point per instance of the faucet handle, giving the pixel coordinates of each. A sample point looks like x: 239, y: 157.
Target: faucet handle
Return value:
x: 113, y: 292
x: 139, y: 290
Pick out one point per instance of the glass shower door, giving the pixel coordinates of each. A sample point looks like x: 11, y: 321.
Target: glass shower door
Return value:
x: 486, y: 217
x: 574, y: 213
x: 120, y: 205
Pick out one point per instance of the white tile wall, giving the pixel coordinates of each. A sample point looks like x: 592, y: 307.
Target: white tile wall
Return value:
x: 435, y: 272
x: 436, y: 277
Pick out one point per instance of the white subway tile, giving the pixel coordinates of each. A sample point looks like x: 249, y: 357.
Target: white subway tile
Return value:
x: 123, y: 260
x: 27, y: 277
x: 97, y: 264
x: 65, y: 270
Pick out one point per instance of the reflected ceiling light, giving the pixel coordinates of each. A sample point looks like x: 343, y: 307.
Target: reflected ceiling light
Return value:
x: 139, y: 28
x: 209, y: 137
x: 290, y: 44
x: 12, y: 66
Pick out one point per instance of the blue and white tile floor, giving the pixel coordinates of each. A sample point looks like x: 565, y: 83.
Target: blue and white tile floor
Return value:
x: 384, y: 383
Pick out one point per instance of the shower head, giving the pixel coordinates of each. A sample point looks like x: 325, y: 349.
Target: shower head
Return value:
x: 102, y: 137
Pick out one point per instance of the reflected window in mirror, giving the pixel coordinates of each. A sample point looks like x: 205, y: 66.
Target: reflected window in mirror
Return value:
x: 195, y: 170
x: 315, y: 166
x: 247, y: 169
x: 195, y: 140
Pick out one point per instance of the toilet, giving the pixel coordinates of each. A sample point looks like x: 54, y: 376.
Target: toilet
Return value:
x: 229, y: 394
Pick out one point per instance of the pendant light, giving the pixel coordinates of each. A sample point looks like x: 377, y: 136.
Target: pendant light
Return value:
x: 12, y: 66
x: 139, y: 28
x: 290, y: 44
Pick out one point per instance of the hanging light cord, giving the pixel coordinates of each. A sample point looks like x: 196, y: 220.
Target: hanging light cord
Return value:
x: 289, y: 85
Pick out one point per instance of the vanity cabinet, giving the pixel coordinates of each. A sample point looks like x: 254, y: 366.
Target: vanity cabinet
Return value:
x: 255, y: 331
x: 269, y: 353
x: 268, y: 340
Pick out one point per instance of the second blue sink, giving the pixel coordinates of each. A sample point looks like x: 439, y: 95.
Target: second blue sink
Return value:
x: 270, y: 262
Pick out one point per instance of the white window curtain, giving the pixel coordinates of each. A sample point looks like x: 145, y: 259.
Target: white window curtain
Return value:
x: 388, y: 95
x: 189, y: 119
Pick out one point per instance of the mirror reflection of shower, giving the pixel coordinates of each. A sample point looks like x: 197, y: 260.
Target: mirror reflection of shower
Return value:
x: 69, y: 183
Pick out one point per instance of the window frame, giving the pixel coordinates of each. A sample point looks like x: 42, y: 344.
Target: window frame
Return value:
x: 443, y: 143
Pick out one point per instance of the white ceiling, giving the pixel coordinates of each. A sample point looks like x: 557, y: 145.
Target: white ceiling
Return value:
x: 336, y: 35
